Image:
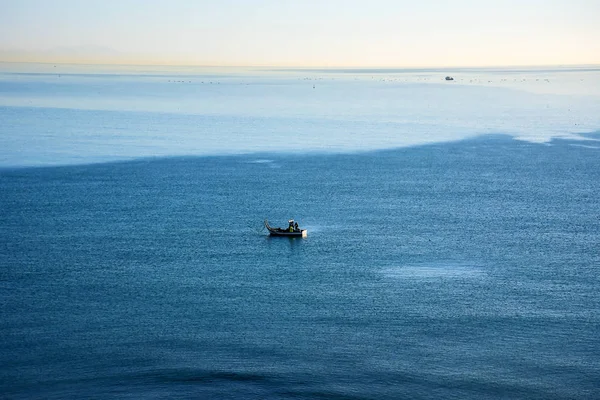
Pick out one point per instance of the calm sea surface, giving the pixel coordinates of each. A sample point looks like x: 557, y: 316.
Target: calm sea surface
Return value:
x: 444, y: 258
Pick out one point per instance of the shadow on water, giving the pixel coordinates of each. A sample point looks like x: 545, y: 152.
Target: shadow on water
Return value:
x: 288, y: 242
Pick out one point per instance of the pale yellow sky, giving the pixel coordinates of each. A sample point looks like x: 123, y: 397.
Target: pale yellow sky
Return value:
x: 303, y: 33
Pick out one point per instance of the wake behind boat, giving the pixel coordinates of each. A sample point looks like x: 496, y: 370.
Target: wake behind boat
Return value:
x: 291, y: 231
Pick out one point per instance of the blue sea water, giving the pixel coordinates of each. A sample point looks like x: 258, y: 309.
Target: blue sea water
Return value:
x: 442, y: 261
x: 56, y: 115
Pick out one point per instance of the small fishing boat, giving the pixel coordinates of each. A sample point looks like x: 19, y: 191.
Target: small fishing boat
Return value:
x: 291, y: 231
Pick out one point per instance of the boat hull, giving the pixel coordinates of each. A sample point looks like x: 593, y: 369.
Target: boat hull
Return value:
x: 302, y: 233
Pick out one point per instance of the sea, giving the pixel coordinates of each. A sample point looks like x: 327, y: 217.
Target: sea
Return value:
x: 453, y: 247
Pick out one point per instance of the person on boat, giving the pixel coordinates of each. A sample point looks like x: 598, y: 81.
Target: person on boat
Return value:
x: 291, y: 227
x: 296, y: 227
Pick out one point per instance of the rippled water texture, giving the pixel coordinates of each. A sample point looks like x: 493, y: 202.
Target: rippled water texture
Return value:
x: 455, y: 265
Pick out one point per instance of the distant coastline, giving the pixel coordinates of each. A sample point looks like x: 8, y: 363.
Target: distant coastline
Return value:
x: 101, y: 56
x: 50, y: 66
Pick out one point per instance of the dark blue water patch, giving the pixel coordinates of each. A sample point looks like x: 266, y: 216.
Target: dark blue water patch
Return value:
x: 593, y: 135
x: 591, y: 141
x: 462, y: 270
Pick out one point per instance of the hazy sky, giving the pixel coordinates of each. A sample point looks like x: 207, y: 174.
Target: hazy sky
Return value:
x: 304, y: 33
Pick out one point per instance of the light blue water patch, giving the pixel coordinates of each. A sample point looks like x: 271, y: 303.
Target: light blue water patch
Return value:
x: 74, y: 116
x: 261, y: 161
x: 435, y: 270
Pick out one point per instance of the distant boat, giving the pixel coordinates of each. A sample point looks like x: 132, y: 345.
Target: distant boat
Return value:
x: 449, y: 78
x: 291, y: 231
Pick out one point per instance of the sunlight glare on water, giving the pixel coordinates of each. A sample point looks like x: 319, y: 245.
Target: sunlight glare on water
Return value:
x: 434, y: 271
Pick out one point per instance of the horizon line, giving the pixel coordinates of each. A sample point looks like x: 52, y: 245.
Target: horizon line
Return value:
x: 299, y: 66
